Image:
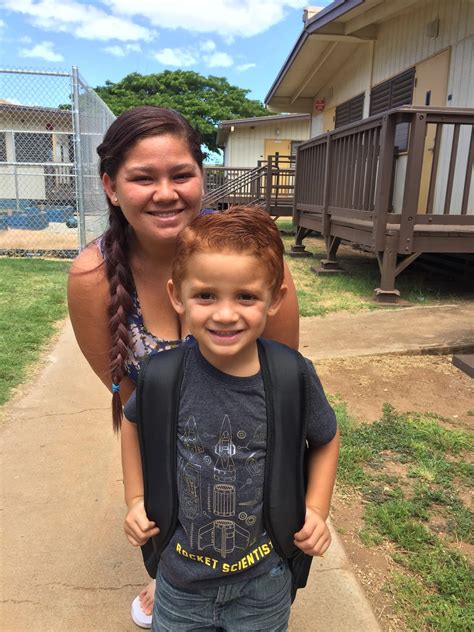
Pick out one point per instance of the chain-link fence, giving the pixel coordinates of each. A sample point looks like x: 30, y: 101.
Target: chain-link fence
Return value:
x: 51, y: 199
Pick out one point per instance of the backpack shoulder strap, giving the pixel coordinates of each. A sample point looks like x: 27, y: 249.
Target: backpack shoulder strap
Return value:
x: 158, y: 391
x: 286, y: 383
x: 286, y: 391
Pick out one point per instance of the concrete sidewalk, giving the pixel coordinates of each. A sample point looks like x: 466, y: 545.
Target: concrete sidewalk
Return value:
x: 444, y: 329
x: 66, y: 563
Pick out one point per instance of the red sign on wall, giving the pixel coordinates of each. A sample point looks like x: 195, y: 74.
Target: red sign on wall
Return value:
x: 320, y: 104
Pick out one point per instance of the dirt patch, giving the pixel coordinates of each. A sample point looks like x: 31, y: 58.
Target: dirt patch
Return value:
x: 409, y: 383
x: 421, y: 383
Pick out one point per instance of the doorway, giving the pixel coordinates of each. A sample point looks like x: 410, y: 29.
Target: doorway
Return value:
x: 431, y: 86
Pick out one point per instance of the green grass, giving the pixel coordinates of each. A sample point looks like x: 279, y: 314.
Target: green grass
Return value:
x: 353, y: 290
x: 413, y: 474
x: 32, y: 299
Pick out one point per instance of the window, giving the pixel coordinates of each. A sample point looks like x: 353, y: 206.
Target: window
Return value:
x: 3, y: 147
x: 350, y: 111
x: 393, y: 93
x: 33, y: 147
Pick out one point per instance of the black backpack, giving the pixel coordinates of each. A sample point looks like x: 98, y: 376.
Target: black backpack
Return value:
x: 286, y: 384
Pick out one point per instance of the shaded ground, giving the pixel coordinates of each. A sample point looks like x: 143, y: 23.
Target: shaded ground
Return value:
x: 420, y: 383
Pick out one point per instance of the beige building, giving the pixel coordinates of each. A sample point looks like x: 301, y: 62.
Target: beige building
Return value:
x: 246, y: 141
x: 358, y: 58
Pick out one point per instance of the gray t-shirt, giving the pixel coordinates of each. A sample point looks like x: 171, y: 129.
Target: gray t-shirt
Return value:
x: 221, y: 452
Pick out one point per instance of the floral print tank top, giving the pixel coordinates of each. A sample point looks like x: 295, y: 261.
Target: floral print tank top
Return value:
x: 142, y: 341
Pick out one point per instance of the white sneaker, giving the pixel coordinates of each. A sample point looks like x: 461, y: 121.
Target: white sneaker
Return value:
x: 139, y: 617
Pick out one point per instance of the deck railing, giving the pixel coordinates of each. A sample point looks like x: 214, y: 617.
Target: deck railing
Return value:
x: 270, y: 184
x: 358, y: 172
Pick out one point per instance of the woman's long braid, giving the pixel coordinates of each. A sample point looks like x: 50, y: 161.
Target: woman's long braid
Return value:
x: 116, y: 246
x: 129, y: 128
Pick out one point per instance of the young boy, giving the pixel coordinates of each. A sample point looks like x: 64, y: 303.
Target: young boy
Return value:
x: 220, y: 568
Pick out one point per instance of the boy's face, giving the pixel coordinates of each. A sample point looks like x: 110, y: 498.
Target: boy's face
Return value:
x: 226, y: 298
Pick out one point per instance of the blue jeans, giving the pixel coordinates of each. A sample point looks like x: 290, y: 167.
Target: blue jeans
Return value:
x: 262, y: 603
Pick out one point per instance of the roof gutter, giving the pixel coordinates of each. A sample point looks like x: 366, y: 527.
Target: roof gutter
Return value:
x: 330, y: 13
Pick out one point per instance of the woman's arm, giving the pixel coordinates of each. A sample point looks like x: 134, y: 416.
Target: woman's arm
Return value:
x: 285, y: 326
x: 88, y: 298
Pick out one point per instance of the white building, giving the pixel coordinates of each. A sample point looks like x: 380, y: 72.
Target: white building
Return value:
x: 246, y: 141
x: 36, y: 154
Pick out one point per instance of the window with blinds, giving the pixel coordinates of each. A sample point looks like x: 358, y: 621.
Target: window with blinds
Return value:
x: 350, y: 111
x: 393, y: 93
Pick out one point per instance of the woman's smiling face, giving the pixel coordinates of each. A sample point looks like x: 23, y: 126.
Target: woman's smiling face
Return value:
x: 158, y: 187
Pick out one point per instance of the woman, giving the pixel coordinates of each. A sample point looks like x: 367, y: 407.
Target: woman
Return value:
x: 151, y: 170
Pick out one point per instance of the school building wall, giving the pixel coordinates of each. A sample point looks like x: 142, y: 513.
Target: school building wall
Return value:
x: 246, y: 145
x: 402, y: 43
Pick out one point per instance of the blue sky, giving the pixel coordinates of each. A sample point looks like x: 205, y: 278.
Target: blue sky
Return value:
x: 246, y: 41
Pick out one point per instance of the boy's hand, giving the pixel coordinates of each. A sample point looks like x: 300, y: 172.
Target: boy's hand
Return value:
x: 138, y: 528
x: 314, y: 538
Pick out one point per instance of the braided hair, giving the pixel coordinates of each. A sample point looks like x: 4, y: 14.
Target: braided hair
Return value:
x: 122, y: 135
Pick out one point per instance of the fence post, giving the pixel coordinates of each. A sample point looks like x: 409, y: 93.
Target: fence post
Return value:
x: 384, y: 181
x: 269, y: 180
x: 17, y: 194
x: 76, y: 122
x: 326, y: 221
x: 412, y: 182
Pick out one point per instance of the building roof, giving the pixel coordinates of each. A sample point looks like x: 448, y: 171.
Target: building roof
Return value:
x: 328, y: 39
x: 6, y: 106
x: 225, y: 127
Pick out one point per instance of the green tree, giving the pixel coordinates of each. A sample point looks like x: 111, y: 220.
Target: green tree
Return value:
x: 204, y: 101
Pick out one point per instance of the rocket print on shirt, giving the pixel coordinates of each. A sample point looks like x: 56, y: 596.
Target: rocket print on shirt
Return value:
x: 220, y: 513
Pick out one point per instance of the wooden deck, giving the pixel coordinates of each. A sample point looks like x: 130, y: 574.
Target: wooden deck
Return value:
x: 349, y: 183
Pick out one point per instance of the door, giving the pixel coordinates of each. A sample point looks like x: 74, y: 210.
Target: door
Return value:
x: 329, y: 119
x: 282, y: 147
x: 431, y: 86
x: 277, y: 146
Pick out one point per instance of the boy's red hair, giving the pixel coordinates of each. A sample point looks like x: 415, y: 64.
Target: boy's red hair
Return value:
x: 243, y: 229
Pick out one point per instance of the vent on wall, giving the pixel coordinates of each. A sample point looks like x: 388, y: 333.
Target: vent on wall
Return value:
x: 432, y: 29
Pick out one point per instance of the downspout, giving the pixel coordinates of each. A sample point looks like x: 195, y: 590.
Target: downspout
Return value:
x: 370, y: 79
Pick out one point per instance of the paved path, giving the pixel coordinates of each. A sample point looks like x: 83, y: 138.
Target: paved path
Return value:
x: 66, y: 564
x: 443, y: 329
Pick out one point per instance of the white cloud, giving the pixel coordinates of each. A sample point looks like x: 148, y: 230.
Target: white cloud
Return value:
x: 244, y: 67
x: 176, y: 57
x: 81, y: 20
x: 116, y: 51
x: 218, y: 60
x: 122, y: 51
x: 44, y: 50
x: 242, y: 18
x: 208, y: 46
x: 10, y: 100
x: 185, y: 57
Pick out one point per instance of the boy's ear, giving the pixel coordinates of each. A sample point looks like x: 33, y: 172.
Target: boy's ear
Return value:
x: 175, y: 298
x: 277, y: 299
